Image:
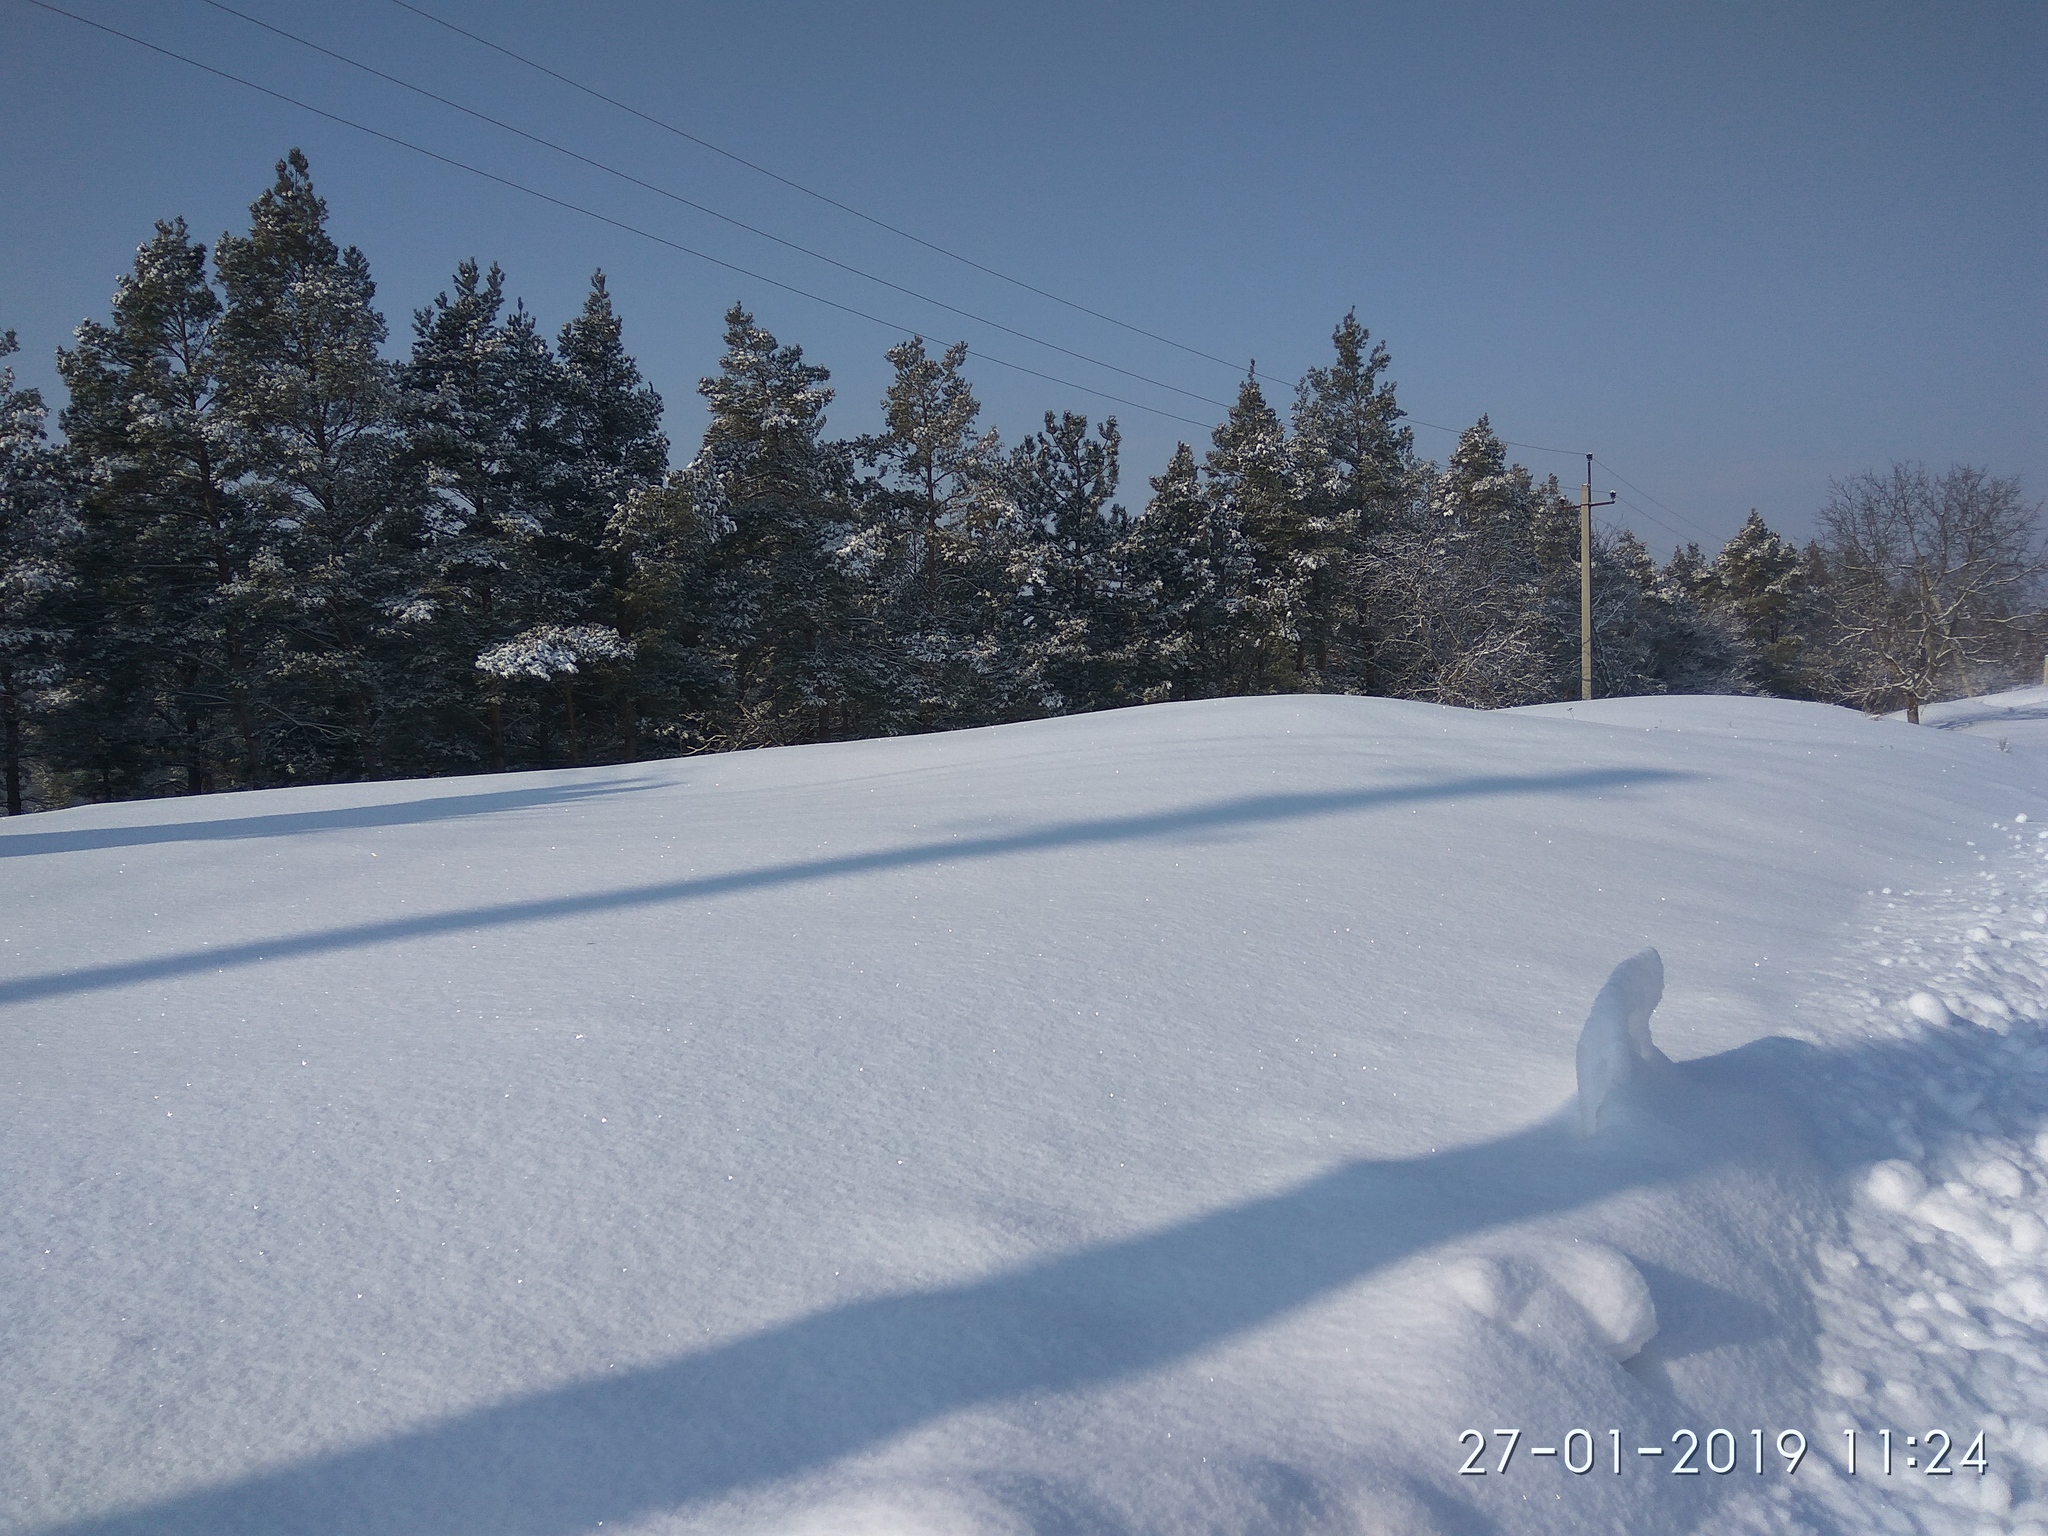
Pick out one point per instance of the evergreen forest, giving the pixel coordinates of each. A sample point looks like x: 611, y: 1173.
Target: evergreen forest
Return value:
x: 260, y: 547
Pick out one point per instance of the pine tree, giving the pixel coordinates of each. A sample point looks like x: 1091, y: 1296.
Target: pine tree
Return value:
x: 1689, y: 570
x: 482, y: 408
x: 614, y: 449
x: 794, y: 659
x: 1665, y: 640
x: 938, y: 458
x: 1066, y: 621
x: 927, y: 563
x: 313, y: 407
x: 557, y: 654
x: 1457, y: 587
x: 1758, y: 580
x: 1204, y: 627
x: 611, y: 415
x: 38, y: 538
x: 1249, y: 472
x: 1356, y: 476
x: 173, y: 668
x: 661, y: 549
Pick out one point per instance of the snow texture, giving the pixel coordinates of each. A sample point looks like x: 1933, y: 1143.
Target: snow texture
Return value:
x: 1152, y: 1121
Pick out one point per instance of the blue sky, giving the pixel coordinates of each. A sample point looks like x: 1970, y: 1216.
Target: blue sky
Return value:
x: 1735, y: 250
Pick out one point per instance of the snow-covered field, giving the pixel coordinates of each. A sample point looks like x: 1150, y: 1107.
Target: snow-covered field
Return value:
x: 2018, y: 716
x: 1158, y: 1121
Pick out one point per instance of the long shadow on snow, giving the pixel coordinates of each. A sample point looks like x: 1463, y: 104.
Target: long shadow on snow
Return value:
x: 1245, y: 811
x: 21, y: 845
x: 805, y: 1393
x: 1963, y: 722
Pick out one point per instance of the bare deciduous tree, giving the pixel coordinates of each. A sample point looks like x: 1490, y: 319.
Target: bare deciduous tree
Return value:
x: 1936, y: 580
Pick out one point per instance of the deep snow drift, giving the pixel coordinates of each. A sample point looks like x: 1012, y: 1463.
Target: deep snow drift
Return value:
x: 1157, y: 1121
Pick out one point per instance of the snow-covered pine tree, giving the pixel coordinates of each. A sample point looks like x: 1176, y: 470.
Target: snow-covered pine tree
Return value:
x: 611, y: 421
x: 613, y: 448
x: 1065, y: 608
x: 1204, y: 628
x: 1250, y: 471
x: 1828, y: 668
x: 38, y: 539
x: 1456, y: 587
x: 557, y: 654
x: 661, y: 548
x: 794, y: 657
x: 1758, y: 579
x: 925, y: 555
x: 313, y: 407
x: 1656, y: 637
x: 174, y: 667
x: 1689, y: 569
x: 481, y: 400
x: 939, y: 460
x: 1356, y: 476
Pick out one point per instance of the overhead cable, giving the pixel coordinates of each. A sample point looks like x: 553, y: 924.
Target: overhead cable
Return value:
x: 797, y: 186
x: 1689, y: 521
x: 711, y: 212
x: 703, y: 208
x: 590, y: 213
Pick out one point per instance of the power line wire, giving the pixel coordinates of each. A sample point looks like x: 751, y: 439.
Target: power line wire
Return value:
x: 591, y: 213
x: 764, y: 234
x: 1645, y: 513
x: 847, y: 208
x: 1689, y: 521
x: 1507, y: 442
x: 703, y: 208
x: 687, y: 202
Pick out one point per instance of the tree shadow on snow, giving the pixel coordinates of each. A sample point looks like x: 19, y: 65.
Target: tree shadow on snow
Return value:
x: 1221, y: 815
x: 21, y: 845
x: 800, y: 1395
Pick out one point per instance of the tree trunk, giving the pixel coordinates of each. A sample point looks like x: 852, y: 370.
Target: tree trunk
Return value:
x: 366, y: 748
x: 245, y: 724
x: 10, y: 711
x: 569, y: 703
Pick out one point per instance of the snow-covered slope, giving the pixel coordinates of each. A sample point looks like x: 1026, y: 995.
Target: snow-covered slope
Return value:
x: 2017, y: 716
x: 1154, y: 1121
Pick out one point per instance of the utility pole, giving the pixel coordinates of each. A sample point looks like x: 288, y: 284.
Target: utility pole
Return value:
x: 1586, y: 506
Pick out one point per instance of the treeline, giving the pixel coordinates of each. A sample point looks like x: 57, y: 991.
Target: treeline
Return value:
x: 265, y: 554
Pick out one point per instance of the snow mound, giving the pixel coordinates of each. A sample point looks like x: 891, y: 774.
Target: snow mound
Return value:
x: 1929, y: 1009
x: 1894, y: 1185
x: 1610, y: 1291
x: 1586, y: 1280
x: 1616, y: 1038
x: 1484, y: 1285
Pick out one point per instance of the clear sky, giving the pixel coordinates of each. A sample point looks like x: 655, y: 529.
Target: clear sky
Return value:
x: 1734, y: 250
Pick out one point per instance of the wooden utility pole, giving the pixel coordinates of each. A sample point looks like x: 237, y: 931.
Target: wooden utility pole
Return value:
x: 1586, y: 506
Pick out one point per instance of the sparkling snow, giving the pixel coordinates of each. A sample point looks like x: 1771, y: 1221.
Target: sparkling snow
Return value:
x: 1156, y: 1121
